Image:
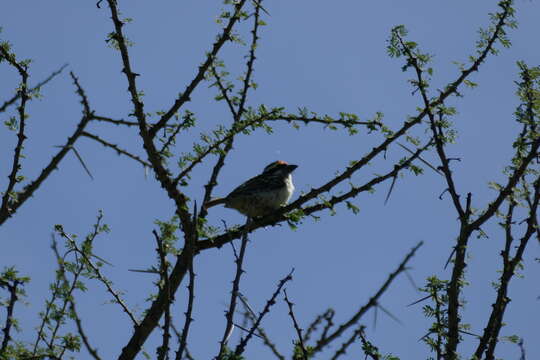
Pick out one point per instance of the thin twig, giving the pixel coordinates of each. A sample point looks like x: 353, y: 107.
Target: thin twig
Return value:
x: 373, y: 301
x: 237, y: 115
x: 34, y: 89
x: 241, y: 346
x: 279, y: 215
x: 316, y: 322
x: 370, y: 350
x: 116, y: 148
x: 163, y: 350
x: 186, y: 94
x: 9, y: 200
x: 265, y: 338
x: 343, y: 348
x: 98, y: 275
x: 65, y: 295
x: 12, y: 289
x: 91, y: 350
x: 229, y: 315
x: 29, y: 189
x: 190, y: 248
x: 296, y: 326
x: 55, y: 294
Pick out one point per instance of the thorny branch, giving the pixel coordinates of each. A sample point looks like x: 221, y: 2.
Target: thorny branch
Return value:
x: 32, y: 90
x: 182, y: 265
x: 184, y: 261
x: 187, y: 323
x: 373, y: 302
x: 262, y: 334
x: 116, y: 148
x: 345, y: 345
x: 164, y: 285
x: 229, y: 315
x: 522, y: 162
x: 489, y: 338
x: 9, y: 197
x: 98, y: 275
x: 237, y: 115
x: 21, y: 196
x: 185, y: 96
x: 241, y: 346
x: 78, y: 322
x: 296, y: 326
x: 12, y: 289
x: 279, y: 216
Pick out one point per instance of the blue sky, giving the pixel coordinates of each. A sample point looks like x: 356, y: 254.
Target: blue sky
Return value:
x: 326, y: 58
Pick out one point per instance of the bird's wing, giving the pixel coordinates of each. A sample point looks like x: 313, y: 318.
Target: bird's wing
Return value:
x: 257, y: 183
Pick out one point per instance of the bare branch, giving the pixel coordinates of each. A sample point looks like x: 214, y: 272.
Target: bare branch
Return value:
x: 10, y: 199
x: 191, y: 296
x: 327, y: 315
x: 32, y: 90
x: 241, y: 346
x: 116, y: 148
x: 235, y: 130
x: 209, y: 187
x: 296, y: 326
x: 12, y: 289
x: 185, y: 96
x: 98, y: 275
x: 224, y: 92
x: 229, y: 315
x: 373, y: 301
x: 266, y: 340
x: 369, y: 349
x: 163, y: 350
x: 489, y: 339
x: 343, y: 348
x: 29, y: 189
x: 91, y: 350
x: 279, y: 215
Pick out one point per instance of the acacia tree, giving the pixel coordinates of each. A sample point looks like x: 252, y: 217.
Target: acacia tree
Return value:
x: 188, y: 234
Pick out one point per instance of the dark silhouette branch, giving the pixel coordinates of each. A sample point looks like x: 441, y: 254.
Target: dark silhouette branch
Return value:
x: 489, y: 338
x: 300, y: 338
x: 30, y: 189
x: 98, y: 275
x: 91, y: 350
x: 9, y: 198
x: 116, y: 148
x: 243, y: 343
x: 13, y: 297
x: 163, y: 350
x: 187, y: 323
x: 32, y: 90
x: 279, y: 215
x: 373, y: 301
x: 185, y: 96
x: 237, y: 115
x: 229, y: 315
x: 345, y: 345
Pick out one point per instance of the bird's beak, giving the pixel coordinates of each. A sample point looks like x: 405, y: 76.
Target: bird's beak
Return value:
x: 291, y: 168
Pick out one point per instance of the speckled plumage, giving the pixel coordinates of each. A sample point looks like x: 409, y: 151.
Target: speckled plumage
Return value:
x: 263, y: 193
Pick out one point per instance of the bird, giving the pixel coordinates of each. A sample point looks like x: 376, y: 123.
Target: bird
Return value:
x: 261, y: 194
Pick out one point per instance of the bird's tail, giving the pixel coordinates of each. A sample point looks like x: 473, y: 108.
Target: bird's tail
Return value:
x: 214, y: 202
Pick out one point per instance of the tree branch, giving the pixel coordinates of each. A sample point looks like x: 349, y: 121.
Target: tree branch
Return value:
x: 229, y: 315
x: 321, y: 344
x: 29, y: 189
x: 185, y: 96
x: 116, y: 148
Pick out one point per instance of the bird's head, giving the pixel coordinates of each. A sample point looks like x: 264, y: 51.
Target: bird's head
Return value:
x: 279, y: 167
